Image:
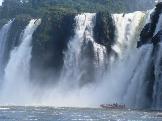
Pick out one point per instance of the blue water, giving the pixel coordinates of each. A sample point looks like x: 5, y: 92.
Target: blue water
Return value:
x: 74, y: 114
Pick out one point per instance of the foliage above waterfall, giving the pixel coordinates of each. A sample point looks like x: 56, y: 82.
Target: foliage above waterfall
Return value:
x: 78, y: 5
x: 10, y: 8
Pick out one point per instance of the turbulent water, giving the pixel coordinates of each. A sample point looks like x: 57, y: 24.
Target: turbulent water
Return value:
x: 74, y: 114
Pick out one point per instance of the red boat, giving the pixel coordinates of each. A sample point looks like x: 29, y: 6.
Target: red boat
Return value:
x: 113, y: 106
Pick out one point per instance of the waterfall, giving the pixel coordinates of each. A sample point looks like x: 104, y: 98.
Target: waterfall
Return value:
x: 156, y: 59
x: 85, y: 80
x: 157, y: 93
x: 118, y: 84
x: 3, y: 38
x: 75, y: 61
x: 123, y: 82
x: 135, y: 92
x: 127, y: 26
x: 18, y: 68
x: 84, y: 63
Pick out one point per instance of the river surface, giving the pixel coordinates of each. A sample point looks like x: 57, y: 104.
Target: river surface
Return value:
x: 15, y: 113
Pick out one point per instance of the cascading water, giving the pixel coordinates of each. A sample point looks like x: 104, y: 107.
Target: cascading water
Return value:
x: 3, y: 38
x: 125, y: 77
x: 18, y: 68
x: 135, y: 92
x: 118, y: 83
x: 157, y: 94
x: 124, y: 82
x: 127, y: 26
x: 75, y: 60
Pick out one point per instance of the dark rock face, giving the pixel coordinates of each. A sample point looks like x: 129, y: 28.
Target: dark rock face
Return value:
x: 147, y: 33
x: 104, y: 30
x: 49, y: 42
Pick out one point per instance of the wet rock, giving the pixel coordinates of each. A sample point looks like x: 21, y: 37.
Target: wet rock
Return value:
x: 148, y: 31
x: 104, y: 30
x: 145, y: 35
x: 49, y: 43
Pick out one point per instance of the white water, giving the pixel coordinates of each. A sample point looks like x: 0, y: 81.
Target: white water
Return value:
x: 3, y: 38
x: 18, y: 68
